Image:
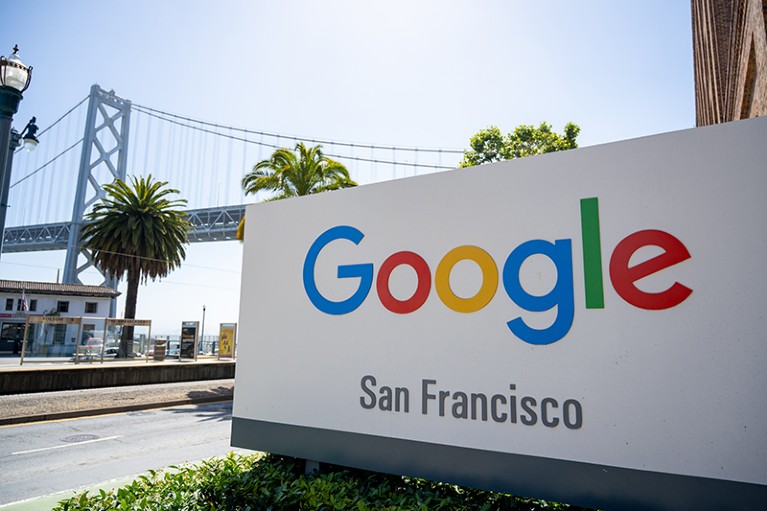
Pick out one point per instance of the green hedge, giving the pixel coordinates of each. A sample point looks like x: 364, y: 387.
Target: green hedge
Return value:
x: 269, y: 482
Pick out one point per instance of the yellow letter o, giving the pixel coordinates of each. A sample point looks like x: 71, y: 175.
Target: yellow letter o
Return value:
x: 489, y: 279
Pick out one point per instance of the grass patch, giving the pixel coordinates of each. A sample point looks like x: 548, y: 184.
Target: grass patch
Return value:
x: 270, y: 482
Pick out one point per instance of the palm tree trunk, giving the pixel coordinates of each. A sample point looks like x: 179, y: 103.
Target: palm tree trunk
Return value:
x: 131, y: 296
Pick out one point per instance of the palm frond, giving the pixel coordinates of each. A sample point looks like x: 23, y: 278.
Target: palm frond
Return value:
x: 137, y: 229
x: 303, y: 171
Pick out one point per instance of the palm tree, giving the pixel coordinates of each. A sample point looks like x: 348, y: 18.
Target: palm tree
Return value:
x: 138, y: 231
x: 292, y: 174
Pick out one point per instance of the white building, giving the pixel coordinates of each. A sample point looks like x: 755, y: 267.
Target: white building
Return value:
x: 20, y: 298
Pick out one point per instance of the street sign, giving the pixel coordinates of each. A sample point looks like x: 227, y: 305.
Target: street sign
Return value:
x: 227, y: 338
x: 189, y: 333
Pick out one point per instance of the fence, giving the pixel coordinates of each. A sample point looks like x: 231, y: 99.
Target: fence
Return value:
x: 85, y: 339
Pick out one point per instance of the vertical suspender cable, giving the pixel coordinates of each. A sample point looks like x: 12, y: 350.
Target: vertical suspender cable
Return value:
x: 178, y: 168
x: 168, y: 150
x: 215, y: 173
x: 159, y: 170
x: 37, y: 192
x: 227, y: 182
x: 64, y: 196
x: 50, y: 181
x: 184, y: 162
x: 71, y: 183
x: 133, y: 141
x: 207, y: 168
x: 193, y: 169
x: 56, y: 180
x: 71, y: 168
x: 246, y: 164
x: 146, y: 147
x: 201, y: 166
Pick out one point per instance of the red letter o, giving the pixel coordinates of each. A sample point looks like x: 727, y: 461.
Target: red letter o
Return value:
x: 422, y: 289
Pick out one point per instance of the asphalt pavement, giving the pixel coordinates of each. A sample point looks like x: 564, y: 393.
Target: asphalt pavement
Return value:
x: 24, y: 408
x: 46, y: 406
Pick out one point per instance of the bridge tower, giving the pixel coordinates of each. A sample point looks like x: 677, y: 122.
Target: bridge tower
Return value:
x: 103, y: 159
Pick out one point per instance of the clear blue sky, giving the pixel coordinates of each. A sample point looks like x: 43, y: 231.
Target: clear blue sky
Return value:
x: 427, y: 73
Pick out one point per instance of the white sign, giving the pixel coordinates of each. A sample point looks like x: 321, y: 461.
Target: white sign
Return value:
x: 597, y: 314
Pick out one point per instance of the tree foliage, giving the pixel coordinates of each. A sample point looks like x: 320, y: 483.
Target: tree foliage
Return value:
x: 304, y: 171
x: 292, y: 174
x: 489, y: 145
x: 137, y: 231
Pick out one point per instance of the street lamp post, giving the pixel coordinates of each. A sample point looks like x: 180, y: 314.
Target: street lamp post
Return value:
x: 27, y: 135
x: 14, y: 79
x: 202, y: 329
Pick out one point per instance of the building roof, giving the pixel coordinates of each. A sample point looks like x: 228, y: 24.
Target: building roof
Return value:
x: 49, y: 288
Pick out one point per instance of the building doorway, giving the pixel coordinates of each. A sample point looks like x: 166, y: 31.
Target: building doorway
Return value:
x: 11, y: 338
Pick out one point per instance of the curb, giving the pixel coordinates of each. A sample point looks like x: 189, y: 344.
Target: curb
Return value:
x: 107, y: 411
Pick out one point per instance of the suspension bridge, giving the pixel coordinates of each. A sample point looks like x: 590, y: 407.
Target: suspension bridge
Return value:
x: 105, y: 137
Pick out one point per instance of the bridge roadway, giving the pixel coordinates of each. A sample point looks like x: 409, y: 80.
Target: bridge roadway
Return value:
x: 209, y: 224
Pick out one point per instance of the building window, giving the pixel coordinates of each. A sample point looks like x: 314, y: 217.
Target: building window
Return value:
x: 62, y: 307
x: 9, y: 304
x: 32, y: 305
x: 91, y: 307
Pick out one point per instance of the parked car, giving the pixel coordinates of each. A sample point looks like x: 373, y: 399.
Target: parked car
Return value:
x: 112, y: 349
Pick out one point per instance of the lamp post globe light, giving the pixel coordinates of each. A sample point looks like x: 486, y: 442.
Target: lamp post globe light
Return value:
x: 14, y: 79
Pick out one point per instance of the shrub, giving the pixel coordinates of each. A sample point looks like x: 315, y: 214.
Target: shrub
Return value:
x: 270, y: 482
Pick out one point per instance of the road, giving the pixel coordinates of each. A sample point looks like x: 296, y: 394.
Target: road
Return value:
x: 44, y: 458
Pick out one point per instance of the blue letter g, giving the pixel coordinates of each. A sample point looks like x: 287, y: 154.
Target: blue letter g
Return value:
x: 363, y: 271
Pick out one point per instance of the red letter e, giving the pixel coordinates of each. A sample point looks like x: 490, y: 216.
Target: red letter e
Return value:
x: 623, y: 277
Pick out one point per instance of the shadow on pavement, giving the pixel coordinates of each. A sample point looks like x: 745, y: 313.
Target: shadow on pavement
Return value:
x: 209, y: 411
x: 210, y: 394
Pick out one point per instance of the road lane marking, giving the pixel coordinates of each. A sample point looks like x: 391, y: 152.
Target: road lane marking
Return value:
x: 66, y: 445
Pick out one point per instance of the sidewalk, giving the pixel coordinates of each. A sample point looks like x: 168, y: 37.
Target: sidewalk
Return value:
x: 49, y: 376
x: 24, y: 408
x: 48, y: 502
x: 12, y: 362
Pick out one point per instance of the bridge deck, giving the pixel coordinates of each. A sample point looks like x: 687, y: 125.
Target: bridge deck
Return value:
x: 209, y: 224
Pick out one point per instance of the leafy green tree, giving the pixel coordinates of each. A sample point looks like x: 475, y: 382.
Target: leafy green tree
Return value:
x: 137, y: 231
x: 304, y: 171
x: 489, y: 144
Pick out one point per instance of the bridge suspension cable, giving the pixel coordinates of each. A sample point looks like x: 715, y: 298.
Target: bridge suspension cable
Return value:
x: 44, y: 165
x: 214, y: 129
x: 198, y: 157
x: 43, y: 177
x: 42, y: 132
